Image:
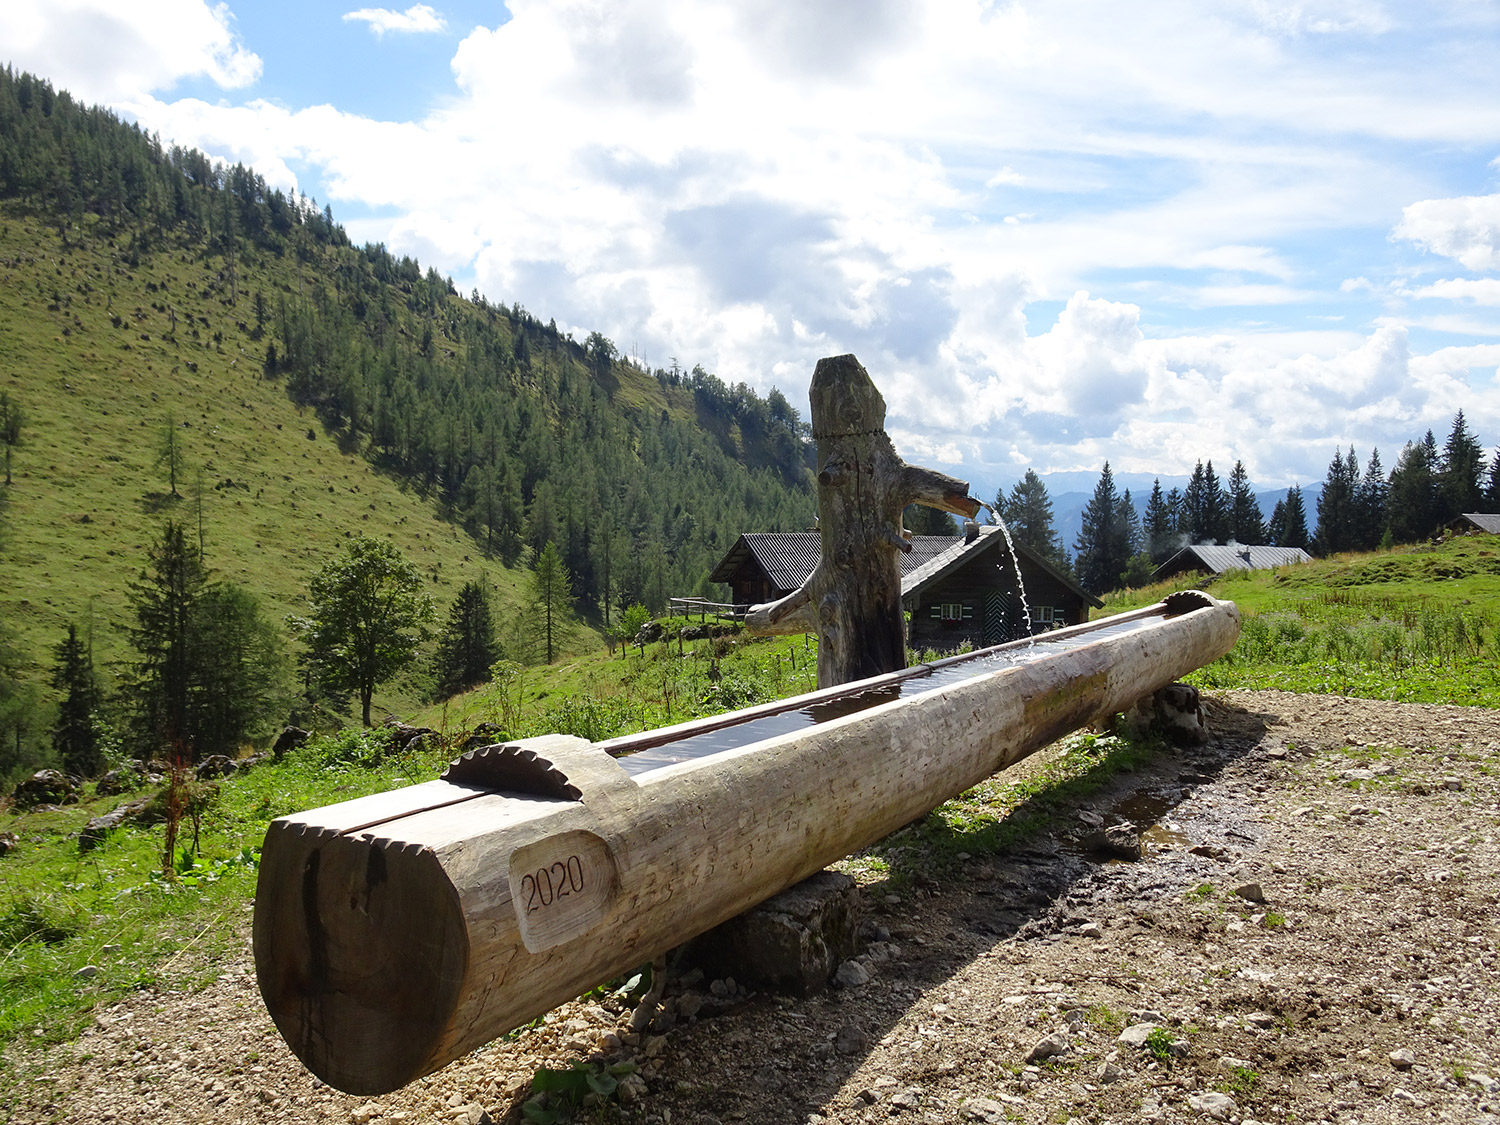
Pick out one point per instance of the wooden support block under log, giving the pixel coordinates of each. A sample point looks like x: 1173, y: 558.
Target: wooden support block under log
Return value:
x: 397, y: 932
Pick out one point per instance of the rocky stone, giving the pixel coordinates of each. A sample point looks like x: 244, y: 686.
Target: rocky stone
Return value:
x: 983, y: 1109
x: 405, y: 734
x: 1118, y: 841
x: 649, y: 632
x: 98, y: 828
x: 9, y: 841
x: 289, y: 739
x: 122, y: 779
x: 1175, y: 712
x: 1262, y: 1020
x: 1250, y: 892
x: 1402, y: 1058
x: 366, y: 1112
x: 1218, y: 1106
x: 850, y: 1039
x: 88, y: 972
x: 1048, y: 1047
x: 215, y: 765
x: 1453, y: 784
x: 1135, y: 1035
x: 909, y: 1098
x: 45, y: 787
x: 1106, y: 1072
x: 851, y: 974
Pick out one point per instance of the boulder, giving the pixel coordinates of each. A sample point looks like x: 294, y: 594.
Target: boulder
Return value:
x: 649, y: 632
x: 793, y: 942
x: 215, y: 765
x: 1175, y: 712
x: 45, y: 787
x: 289, y: 739
x: 97, y: 829
x: 122, y: 779
x: 9, y: 842
x: 405, y: 734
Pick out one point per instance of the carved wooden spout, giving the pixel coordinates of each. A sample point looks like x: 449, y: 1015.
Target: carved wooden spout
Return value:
x: 852, y: 600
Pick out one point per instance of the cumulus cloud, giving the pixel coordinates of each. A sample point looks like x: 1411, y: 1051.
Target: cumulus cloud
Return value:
x: 102, y: 51
x: 754, y: 185
x: 1466, y: 229
x: 418, y: 19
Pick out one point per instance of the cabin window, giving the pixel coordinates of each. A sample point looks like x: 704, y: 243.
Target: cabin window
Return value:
x: 952, y: 611
x: 1046, y: 614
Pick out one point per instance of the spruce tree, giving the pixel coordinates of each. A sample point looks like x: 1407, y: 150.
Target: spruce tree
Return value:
x: 1370, y: 500
x: 1276, y: 527
x: 1411, y: 505
x: 1462, y: 472
x: 1027, y: 512
x: 1158, y: 530
x: 12, y: 422
x: 1102, y: 546
x: 1294, y: 520
x: 1246, y: 524
x: 1336, y: 506
x: 467, y: 647
x: 75, y: 737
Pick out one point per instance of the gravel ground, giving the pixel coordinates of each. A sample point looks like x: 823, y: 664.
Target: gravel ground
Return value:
x: 1309, y: 937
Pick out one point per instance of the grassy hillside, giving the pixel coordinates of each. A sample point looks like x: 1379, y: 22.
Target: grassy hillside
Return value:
x: 1417, y: 624
x: 87, y: 346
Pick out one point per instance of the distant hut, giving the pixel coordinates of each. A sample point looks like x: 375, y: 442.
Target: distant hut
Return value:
x: 1475, y: 523
x: 1204, y: 559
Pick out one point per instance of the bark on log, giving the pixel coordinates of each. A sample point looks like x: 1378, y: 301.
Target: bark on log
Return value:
x: 397, y: 932
x: 852, y: 600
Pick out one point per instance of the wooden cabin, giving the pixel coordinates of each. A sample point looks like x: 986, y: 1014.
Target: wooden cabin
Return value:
x: 968, y: 594
x: 955, y: 588
x: 765, y: 565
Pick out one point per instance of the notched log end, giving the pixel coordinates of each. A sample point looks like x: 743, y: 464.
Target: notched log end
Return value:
x: 513, y: 768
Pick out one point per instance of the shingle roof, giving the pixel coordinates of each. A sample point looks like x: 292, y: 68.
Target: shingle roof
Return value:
x: 960, y: 551
x: 1485, y: 521
x: 1217, y: 559
x: 788, y: 557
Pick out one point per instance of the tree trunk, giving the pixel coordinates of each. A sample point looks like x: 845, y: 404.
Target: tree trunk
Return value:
x: 852, y: 600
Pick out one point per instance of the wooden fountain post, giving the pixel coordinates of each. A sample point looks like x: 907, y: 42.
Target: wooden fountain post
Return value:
x: 852, y: 600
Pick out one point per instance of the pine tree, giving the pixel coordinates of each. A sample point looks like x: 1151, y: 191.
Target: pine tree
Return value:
x: 1027, y: 512
x: 1276, y: 527
x: 550, y: 603
x: 164, y: 599
x: 75, y: 737
x: 1246, y: 524
x: 171, y: 453
x: 1492, y: 488
x: 467, y: 647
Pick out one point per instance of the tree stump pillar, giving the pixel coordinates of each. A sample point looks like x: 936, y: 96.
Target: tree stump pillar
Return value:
x: 852, y: 600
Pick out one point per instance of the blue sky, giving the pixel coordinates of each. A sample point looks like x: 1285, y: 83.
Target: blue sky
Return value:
x: 1054, y: 232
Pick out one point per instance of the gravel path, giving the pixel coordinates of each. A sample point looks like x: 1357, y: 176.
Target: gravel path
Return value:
x: 1310, y: 937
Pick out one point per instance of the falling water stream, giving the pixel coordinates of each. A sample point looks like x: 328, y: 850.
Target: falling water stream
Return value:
x: 1015, y: 561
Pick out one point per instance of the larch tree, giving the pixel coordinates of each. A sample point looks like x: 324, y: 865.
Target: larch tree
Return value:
x: 368, y: 618
x: 550, y: 603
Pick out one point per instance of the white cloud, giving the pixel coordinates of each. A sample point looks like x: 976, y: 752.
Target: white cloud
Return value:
x: 754, y: 185
x: 100, y: 50
x: 1480, y: 291
x: 1466, y: 229
x: 418, y: 19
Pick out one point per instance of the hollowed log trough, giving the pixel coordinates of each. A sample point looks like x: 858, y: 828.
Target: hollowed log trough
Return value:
x: 397, y: 932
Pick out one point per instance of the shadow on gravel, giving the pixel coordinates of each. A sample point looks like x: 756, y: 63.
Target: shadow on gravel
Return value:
x: 955, y: 894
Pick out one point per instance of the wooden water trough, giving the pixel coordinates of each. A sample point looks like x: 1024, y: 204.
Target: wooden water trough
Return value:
x: 397, y: 932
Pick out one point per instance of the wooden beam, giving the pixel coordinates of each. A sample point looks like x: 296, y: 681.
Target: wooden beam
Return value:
x: 852, y: 600
x: 397, y: 932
